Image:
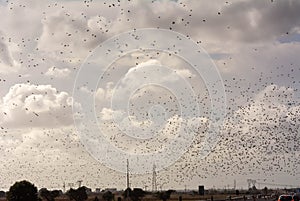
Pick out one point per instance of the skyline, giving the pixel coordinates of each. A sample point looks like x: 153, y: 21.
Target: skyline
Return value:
x: 58, y: 85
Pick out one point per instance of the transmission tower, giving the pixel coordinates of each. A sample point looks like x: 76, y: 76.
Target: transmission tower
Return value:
x: 251, y: 183
x: 154, y: 185
x: 70, y: 185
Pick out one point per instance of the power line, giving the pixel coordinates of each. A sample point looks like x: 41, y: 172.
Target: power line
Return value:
x: 275, y: 184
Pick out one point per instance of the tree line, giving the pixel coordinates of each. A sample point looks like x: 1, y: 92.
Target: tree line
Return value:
x: 26, y: 191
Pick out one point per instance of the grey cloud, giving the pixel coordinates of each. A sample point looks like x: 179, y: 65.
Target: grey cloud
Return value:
x: 263, y: 20
x: 5, y: 55
x: 239, y: 22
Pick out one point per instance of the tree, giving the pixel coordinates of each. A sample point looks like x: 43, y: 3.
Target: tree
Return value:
x: 2, y: 194
x: 137, y: 194
x: 22, y: 191
x: 77, y: 194
x: 265, y: 190
x: 253, y: 190
x: 165, y: 195
x: 108, y: 196
x: 127, y: 193
x: 49, y: 195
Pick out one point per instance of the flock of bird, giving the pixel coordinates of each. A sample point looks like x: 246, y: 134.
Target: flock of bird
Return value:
x: 259, y: 136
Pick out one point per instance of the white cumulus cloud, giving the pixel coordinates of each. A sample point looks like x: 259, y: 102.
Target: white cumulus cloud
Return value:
x: 58, y: 72
x: 28, y: 105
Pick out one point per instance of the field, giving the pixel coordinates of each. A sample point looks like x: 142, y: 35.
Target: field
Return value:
x: 210, y: 195
x: 174, y: 197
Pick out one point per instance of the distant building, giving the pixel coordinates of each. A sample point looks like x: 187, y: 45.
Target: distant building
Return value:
x: 88, y: 190
x: 111, y: 189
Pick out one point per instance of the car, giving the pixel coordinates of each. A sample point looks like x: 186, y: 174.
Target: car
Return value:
x: 285, y: 198
x: 295, y: 197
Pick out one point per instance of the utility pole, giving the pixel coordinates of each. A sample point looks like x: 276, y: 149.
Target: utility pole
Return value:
x: 79, y: 183
x: 234, y: 184
x: 127, y: 180
x: 128, y: 184
x: 64, y: 187
x: 154, y: 185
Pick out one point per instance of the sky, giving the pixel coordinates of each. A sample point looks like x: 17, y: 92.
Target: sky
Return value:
x: 205, y: 91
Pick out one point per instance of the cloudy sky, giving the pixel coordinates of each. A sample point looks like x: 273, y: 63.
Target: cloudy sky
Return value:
x: 86, y: 84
